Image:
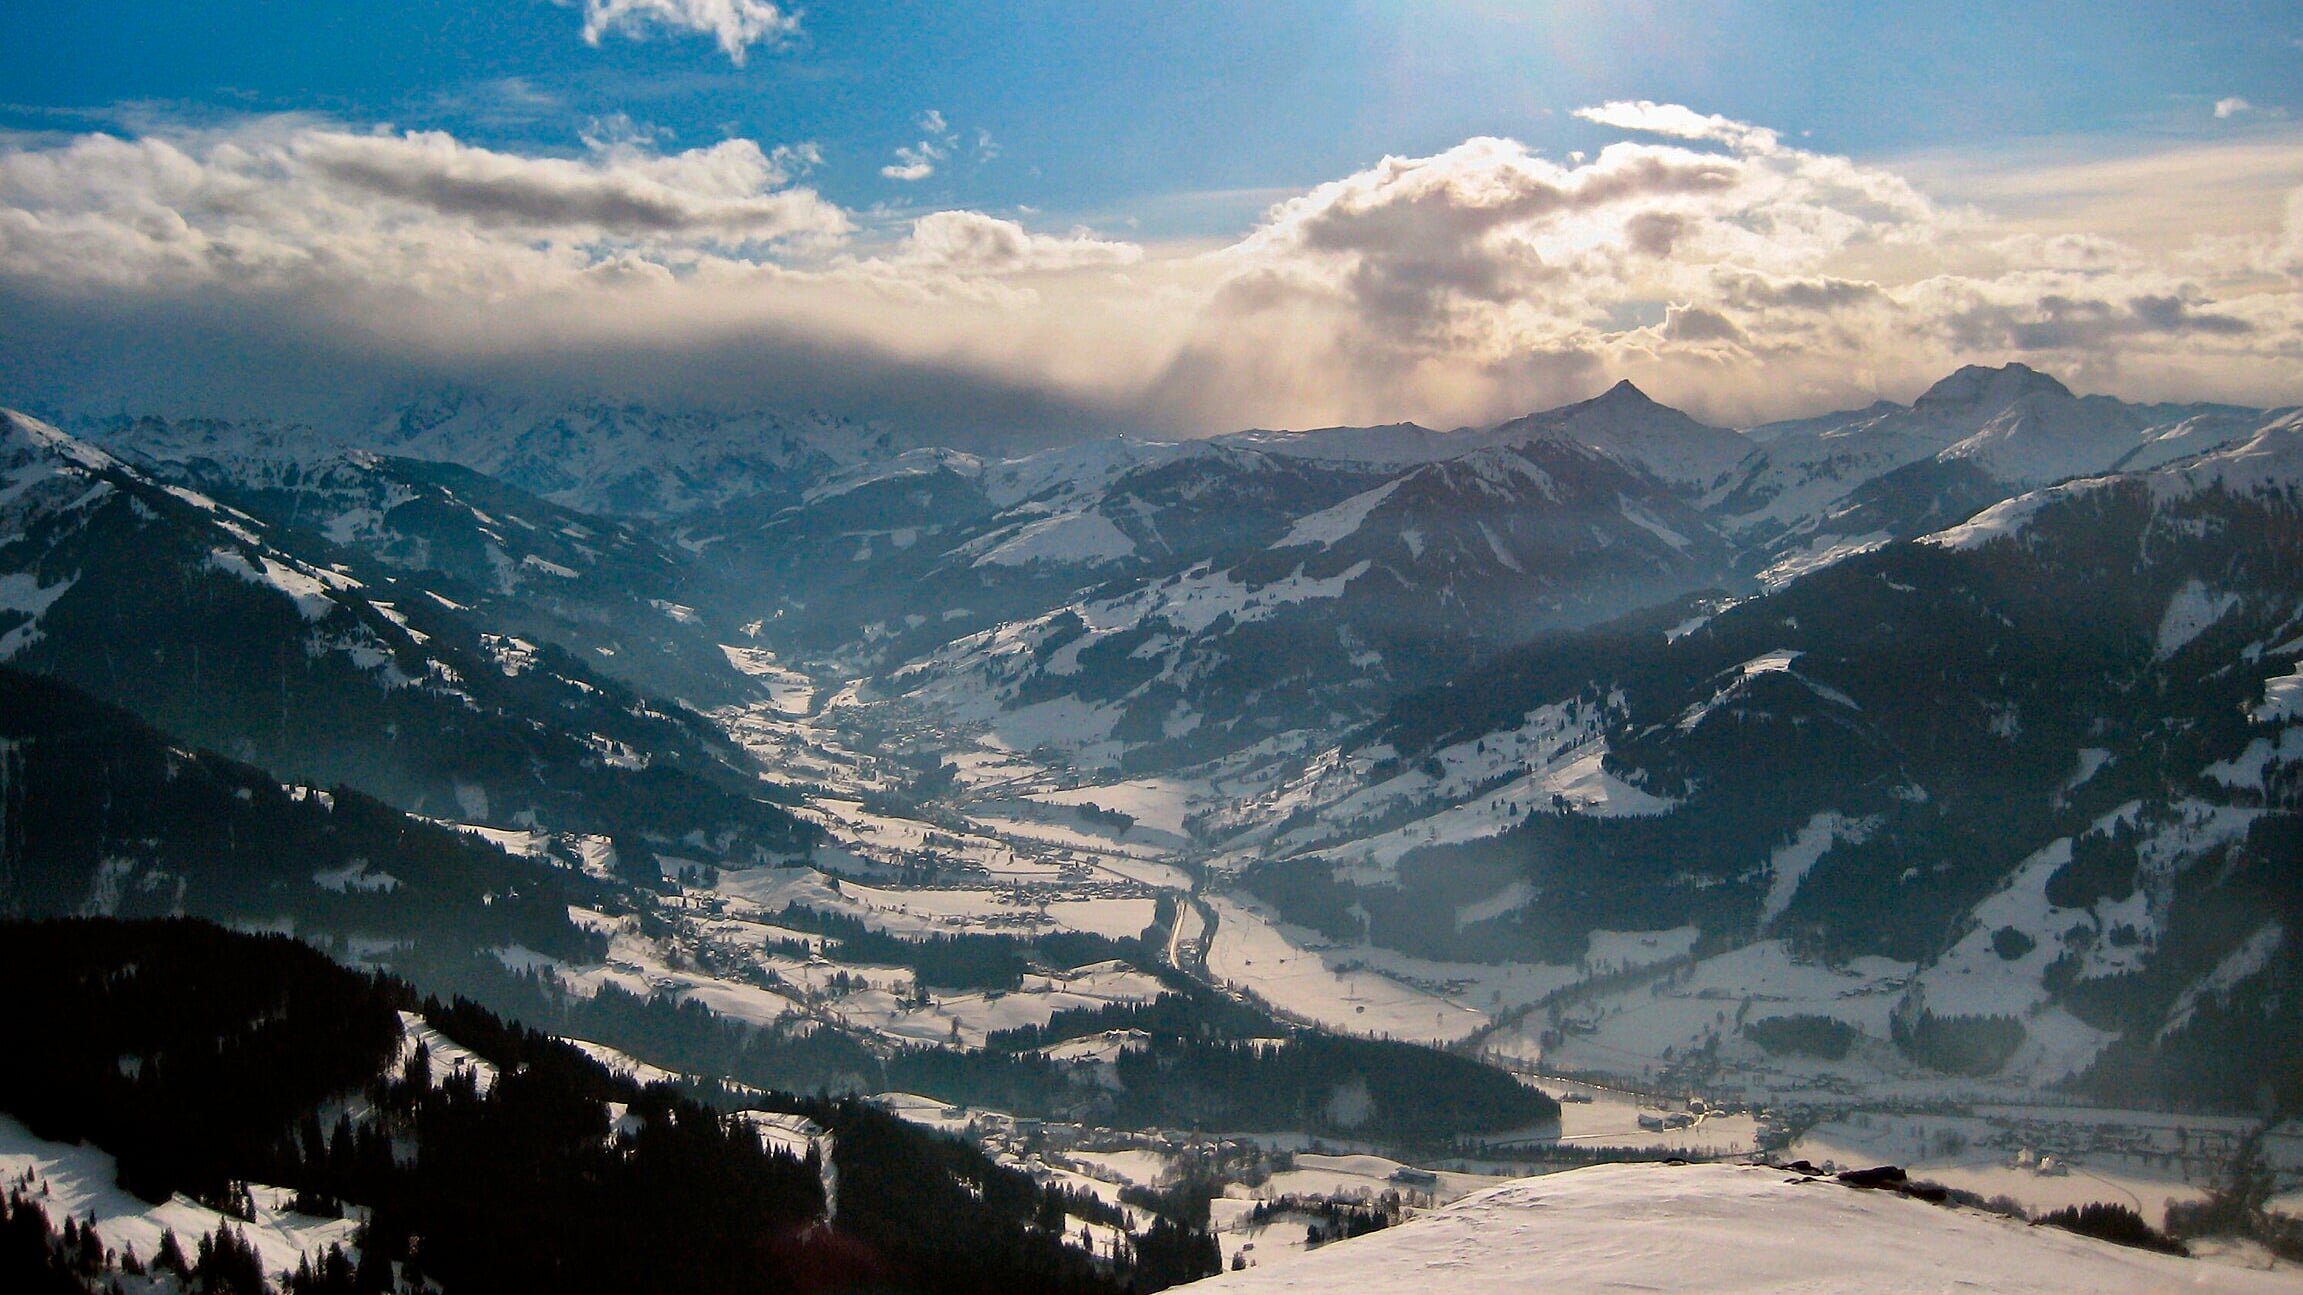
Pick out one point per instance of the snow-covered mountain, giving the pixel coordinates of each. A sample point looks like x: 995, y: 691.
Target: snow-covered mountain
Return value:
x: 2040, y: 766
x: 1206, y: 599
x: 1621, y: 421
x: 1625, y: 423
x: 1948, y: 752
x: 1823, y: 488
x: 615, y: 460
x: 605, y: 590
x: 207, y: 621
x: 108, y: 817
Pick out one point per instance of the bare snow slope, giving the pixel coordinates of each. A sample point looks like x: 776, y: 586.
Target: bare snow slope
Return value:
x: 1726, y: 1228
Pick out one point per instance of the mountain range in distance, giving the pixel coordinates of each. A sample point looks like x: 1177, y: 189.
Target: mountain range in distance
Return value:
x: 1934, y: 758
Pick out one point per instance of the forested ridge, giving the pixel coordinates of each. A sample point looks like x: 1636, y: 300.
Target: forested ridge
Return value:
x: 204, y: 1060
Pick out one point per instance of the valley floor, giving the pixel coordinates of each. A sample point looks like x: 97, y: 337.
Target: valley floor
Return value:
x: 1640, y: 1036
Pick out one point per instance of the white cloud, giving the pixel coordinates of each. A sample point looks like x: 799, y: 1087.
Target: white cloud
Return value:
x: 918, y: 161
x: 286, y: 201
x: 2232, y: 107
x: 1650, y: 118
x: 1711, y: 261
x: 914, y: 162
x: 972, y: 242
x: 1750, y: 282
x: 736, y: 25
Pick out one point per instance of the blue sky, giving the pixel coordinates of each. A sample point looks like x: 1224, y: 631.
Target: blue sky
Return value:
x: 1110, y: 111
x: 1179, y: 216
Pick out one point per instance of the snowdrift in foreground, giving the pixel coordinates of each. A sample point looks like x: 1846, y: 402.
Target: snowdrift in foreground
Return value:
x: 1725, y: 1228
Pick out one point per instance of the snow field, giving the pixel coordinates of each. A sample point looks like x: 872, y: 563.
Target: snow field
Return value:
x: 1821, y: 552
x: 1626, y: 1032
x: 1252, y: 952
x: 618, y: 1062
x: 79, y: 1181
x: 1965, y: 1152
x: 789, y: 691
x: 1721, y: 1229
x: 1065, y: 539
x: 965, y: 1020
x: 448, y: 1057
x: 1159, y: 803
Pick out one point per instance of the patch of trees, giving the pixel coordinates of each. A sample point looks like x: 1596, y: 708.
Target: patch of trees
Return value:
x: 1169, y: 1253
x: 969, y: 961
x: 1958, y: 1045
x: 1803, y: 1035
x: 2011, y: 944
x: 2239, y: 1206
x: 1212, y: 1062
x: 36, y: 1260
x: 1118, y: 820
x: 178, y: 1047
x: 2102, y: 867
x: 1192, y: 1012
x: 2118, y: 1224
x: 1332, y: 1219
x: 1412, y: 1094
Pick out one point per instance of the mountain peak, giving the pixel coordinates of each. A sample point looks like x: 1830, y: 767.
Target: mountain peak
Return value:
x: 1977, y: 386
x: 1624, y: 393
x: 1622, y: 401
x: 1625, y: 422
x: 25, y: 439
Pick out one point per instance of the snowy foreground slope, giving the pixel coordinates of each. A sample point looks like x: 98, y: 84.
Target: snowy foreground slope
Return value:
x: 1725, y: 1228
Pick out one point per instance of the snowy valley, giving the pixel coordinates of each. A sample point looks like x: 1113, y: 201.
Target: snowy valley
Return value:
x: 1219, y: 832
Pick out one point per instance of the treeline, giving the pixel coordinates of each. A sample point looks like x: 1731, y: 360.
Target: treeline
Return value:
x: 1207, y: 1062
x: 2113, y: 1222
x: 203, y: 1059
x: 1332, y: 1219
x: 37, y: 1258
x: 1958, y: 1045
x: 959, y: 961
x: 1804, y: 1035
x: 1327, y: 1084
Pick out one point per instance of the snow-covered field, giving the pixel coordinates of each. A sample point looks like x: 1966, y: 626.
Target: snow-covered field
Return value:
x: 1160, y: 803
x: 1728, y: 1228
x: 789, y: 691
x: 2044, y: 1157
x: 1249, y: 950
x: 78, y: 1181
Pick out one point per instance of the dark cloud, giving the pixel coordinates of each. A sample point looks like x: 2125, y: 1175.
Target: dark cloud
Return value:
x: 283, y: 359
x: 1655, y: 233
x: 1821, y: 294
x: 631, y: 197
x: 1698, y: 324
x: 2065, y: 323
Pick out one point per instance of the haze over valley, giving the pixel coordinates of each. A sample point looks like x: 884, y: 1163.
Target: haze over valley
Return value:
x: 593, y: 696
